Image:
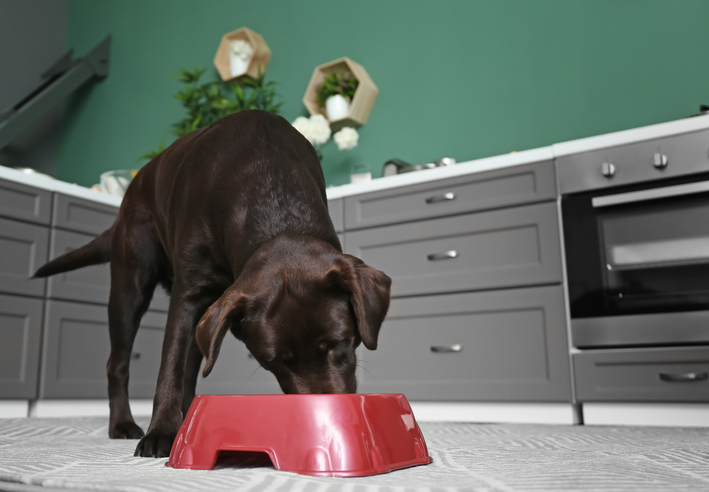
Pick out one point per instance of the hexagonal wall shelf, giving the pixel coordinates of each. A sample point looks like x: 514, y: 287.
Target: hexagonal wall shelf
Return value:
x: 260, y: 57
x: 361, y: 103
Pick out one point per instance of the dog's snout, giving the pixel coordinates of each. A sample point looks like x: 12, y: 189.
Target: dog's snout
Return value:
x: 319, y: 384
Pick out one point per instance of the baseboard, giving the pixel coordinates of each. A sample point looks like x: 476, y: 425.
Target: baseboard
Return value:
x: 12, y: 409
x: 653, y: 414
x: 518, y: 413
x: 84, y: 408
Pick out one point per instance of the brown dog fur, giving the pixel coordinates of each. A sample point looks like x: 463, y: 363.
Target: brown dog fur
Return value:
x: 233, y: 220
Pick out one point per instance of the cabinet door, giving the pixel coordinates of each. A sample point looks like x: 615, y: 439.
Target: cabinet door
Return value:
x: 507, y: 345
x: 76, y: 349
x: 24, y: 202
x: 24, y: 249
x: 237, y: 372
x: 336, y: 208
x: 20, y: 336
x: 88, y: 284
x: 678, y: 374
x: 75, y: 214
x: 502, y: 248
x: 505, y: 187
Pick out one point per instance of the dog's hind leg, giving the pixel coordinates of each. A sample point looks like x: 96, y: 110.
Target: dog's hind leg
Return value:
x: 135, y: 259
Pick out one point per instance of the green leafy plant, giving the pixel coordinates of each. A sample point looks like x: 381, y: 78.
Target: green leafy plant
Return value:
x: 344, y: 84
x: 207, y: 102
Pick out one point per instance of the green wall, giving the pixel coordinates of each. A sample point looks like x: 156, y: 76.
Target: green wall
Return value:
x: 459, y: 78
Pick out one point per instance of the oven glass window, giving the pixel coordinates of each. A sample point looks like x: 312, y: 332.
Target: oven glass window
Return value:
x: 655, y: 255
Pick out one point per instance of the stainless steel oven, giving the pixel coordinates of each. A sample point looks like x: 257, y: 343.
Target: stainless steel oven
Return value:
x: 636, y: 239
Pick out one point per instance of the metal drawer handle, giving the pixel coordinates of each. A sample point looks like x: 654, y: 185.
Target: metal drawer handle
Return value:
x: 446, y: 349
x: 441, y: 198
x: 443, y: 256
x: 684, y: 377
x: 135, y: 355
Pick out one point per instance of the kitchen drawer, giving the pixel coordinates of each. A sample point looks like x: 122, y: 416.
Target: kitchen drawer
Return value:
x: 236, y: 372
x: 23, y: 202
x: 501, y: 248
x: 21, y: 331
x: 642, y: 375
x: 76, y: 214
x: 336, y: 208
x: 512, y: 347
x: 479, y: 191
x: 686, y: 154
x: 88, y: 284
x: 91, y: 283
x: 23, y: 249
x: 76, y: 349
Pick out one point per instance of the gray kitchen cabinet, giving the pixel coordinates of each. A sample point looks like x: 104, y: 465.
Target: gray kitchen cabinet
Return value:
x: 20, y: 329
x: 24, y: 249
x: 506, y: 345
x: 76, y: 347
x: 75, y: 214
x: 24, y: 202
x: 88, y: 284
x: 500, y: 248
x: 237, y: 372
x: 473, y: 192
x: 679, y: 374
x: 336, y: 208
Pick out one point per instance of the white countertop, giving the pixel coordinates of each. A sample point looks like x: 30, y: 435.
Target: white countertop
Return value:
x: 49, y: 184
x: 579, y: 146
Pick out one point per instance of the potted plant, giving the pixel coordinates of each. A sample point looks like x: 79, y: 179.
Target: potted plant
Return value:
x: 335, y: 93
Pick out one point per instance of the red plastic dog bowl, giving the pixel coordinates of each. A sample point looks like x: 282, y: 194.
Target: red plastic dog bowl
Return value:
x: 321, y: 435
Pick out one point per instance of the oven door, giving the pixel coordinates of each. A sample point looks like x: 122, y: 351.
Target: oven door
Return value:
x: 638, y: 265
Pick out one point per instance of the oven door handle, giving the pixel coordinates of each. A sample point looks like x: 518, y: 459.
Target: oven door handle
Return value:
x: 653, y: 194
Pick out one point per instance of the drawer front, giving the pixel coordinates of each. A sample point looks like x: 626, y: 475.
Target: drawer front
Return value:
x: 20, y: 338
x: 336, y: 208
x: 24, y: 249
x: 507, y: 345
x: 76, y: 349
x: 75, y: 214
x: 91, y: 283
x: 88, y: 284
x: 643, y: 375
x: 686, y: 154
x: 18, y: 201
x: 502, y: 248
x: 236, y: 372
x: 480, y: 191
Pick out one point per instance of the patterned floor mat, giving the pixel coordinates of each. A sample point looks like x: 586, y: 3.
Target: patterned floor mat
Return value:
x: 76, y: 454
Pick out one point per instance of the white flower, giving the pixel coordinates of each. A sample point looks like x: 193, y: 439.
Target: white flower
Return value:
x: 302, y: 124
x: 242, y: 48
x: 319, y: 129
x: 346, y: 138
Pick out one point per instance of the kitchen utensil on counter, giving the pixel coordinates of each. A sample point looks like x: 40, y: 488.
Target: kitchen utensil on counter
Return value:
x: 116, y: 182
x: 397, y: 166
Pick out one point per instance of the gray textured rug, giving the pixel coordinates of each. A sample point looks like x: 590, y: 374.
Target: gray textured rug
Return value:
x: 76, y: 454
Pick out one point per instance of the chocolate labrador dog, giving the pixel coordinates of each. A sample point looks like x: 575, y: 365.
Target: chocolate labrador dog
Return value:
x: 232, y: 219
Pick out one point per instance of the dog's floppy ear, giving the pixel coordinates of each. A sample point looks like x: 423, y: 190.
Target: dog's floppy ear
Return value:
x: 368, y: 289
x: 227, y: 311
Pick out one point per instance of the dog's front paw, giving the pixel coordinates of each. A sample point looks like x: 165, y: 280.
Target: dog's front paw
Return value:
x: 155, y: 445
x: 125, y: 430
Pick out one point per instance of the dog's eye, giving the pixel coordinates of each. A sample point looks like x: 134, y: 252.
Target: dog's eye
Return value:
x: 322, y: 346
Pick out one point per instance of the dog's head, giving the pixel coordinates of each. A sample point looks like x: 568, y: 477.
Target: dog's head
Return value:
x: 301, y: 308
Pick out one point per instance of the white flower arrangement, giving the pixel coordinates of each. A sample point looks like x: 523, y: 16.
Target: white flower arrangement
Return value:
x: 317, y: 130
x: 346, y: 138
x: 242, y: 48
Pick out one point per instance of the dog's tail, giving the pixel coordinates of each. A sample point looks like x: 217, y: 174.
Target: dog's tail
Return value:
x: 96, y: 252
